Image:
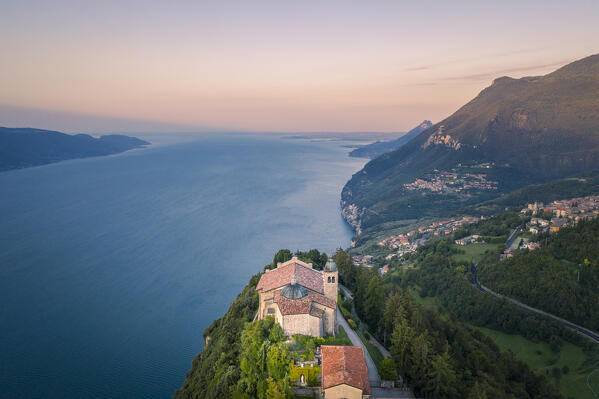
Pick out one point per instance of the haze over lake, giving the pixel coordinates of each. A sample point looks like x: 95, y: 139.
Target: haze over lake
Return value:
x: 112, y: 267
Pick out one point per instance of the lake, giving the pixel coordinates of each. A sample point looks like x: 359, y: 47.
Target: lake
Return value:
x: 112, y: 267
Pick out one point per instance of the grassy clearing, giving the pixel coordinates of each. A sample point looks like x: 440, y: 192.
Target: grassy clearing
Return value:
x: 375, y: 354
x: 516, y: 242
x: 428, y: 302
x: 305, y: 343
x: 474, y: 252
x: 543, y: 360
x: 342, y: 338
x: 536, y: 355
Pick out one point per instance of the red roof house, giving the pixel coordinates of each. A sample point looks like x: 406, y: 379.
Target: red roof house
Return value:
x: 344, y: 372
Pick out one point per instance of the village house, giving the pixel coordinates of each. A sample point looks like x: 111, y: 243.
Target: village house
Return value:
x: 508, y: 253
x: 384, y: 270
x: 586, y: 215
x: 344, y: 373
x: 467, y: 240
x: 557, y: 223
x: 365, y: 260
x: 539, y: 222
x: 302, y: 300
x: 531, y: 245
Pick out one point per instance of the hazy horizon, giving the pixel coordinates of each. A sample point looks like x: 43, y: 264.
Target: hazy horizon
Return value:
x: 270, y: 66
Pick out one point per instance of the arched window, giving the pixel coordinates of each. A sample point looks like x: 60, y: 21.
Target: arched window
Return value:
x: 333, y: 279
x: 329, y: 279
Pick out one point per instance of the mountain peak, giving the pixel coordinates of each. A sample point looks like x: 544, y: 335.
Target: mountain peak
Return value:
x: 503, y: 79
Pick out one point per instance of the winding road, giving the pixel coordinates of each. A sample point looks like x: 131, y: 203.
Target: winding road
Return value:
x: 593, y: 336
x: 373, y: 373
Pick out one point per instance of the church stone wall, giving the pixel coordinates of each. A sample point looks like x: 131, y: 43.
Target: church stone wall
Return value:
x: 328, y: 319
x: 265, y: 302
x: 302, y: 324
x: 330, y: 315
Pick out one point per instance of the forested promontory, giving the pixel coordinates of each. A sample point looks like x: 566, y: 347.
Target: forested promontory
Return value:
x: 25, y: 147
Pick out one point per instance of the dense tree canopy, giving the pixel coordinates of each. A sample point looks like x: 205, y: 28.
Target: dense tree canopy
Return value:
x: 561, y: 278
x: 314, y: 256
x: 436, y: 354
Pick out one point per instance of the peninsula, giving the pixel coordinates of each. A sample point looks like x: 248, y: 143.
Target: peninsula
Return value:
x: 26, y: 147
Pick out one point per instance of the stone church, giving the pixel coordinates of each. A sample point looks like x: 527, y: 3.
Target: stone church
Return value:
x: 302, y: 300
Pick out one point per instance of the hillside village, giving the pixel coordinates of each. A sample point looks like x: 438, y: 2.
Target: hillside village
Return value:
x: 550, y: 219
x: 557, y: 214
x: 406, y: 243
x: 542, y: 218
x: 453, y: 182
x: 411, y: 240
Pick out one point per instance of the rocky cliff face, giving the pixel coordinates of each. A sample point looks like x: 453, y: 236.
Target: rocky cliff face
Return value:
x: 352, y: 213
x: 438, y: 138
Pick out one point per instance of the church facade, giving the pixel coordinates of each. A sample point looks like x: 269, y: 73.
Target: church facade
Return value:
x: 302, y: 300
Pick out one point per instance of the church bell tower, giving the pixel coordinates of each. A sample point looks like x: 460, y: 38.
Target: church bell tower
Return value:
x: 331, y: 280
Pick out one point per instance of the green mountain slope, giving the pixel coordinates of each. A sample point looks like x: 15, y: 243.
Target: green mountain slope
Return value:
x: 514, y: 133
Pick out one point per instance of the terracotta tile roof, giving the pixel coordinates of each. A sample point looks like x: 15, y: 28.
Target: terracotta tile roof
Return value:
x: 344, y: 365
x: 309, y: 278
x: 302, y: 305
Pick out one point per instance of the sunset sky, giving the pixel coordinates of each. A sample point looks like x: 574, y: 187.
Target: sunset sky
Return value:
x: 272, y: 65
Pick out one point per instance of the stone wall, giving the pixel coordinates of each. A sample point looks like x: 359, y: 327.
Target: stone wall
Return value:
x: 328, y: 319
x: 266, y: 303
x: 302, y: 324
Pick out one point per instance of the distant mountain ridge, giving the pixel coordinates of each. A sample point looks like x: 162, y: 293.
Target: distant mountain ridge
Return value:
x: 25, y: 147
x: 515, y: 132
x: 380, y: 147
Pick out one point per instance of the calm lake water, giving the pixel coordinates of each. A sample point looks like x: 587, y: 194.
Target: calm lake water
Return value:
x: 111, y: 267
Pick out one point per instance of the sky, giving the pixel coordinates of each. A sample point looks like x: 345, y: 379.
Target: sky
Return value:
x: 272, y: 66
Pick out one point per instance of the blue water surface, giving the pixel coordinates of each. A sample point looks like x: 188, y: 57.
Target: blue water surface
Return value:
x: 112, y: 267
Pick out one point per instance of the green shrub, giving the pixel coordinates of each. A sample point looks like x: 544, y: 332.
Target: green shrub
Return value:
x: 311, y: 374
x: 388, y: 370
x: 352, y: 324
